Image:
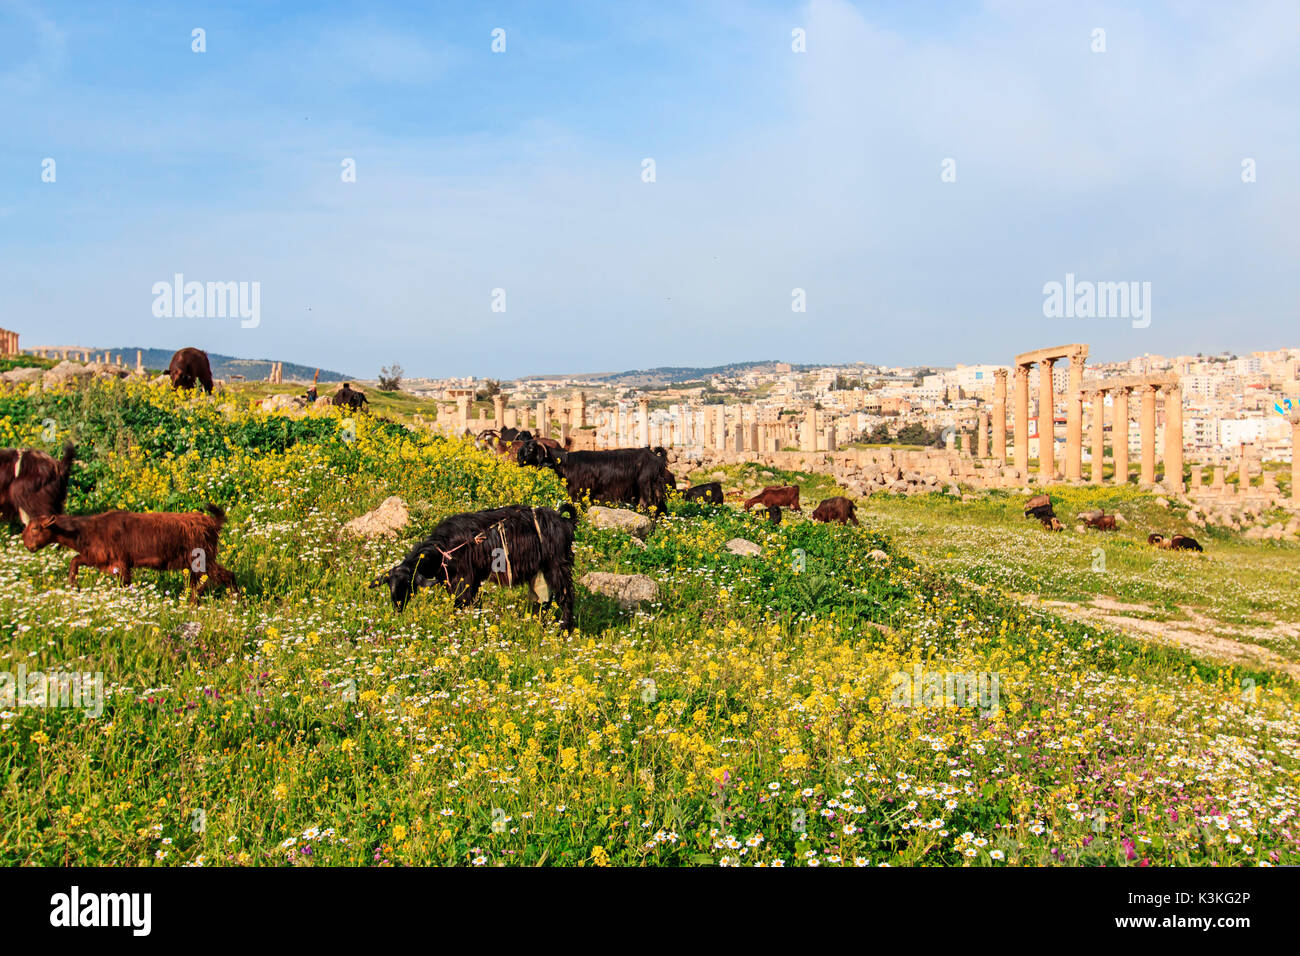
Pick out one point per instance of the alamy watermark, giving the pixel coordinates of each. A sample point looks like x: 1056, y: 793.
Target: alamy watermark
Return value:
x: 179, y: 299
x: 1098, y: 300
x: 64, y: 689
x: 945, y: 689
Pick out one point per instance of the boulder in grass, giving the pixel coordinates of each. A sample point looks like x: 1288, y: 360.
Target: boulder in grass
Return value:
x: 390, y: 517
x: 65, y: 372
x: 282, y: 403
x: 634, y: 523
x: 744, y: 548
x: 25, y: 375
x: 628, y: 590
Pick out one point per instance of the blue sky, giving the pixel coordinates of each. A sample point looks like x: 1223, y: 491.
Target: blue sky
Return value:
x: 775, y: 170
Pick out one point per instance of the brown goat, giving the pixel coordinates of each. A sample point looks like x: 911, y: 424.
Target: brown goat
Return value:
x: 1099, y: 520
x: 32, y: 483
x: 190, y: 367
x: 837, y: 510
x: 783, y: 496
x: 117, y: 541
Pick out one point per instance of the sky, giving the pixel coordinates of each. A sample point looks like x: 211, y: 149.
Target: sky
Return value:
x: 919, y: 170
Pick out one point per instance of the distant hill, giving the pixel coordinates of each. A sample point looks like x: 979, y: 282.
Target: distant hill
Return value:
x: 226, y: 366
x: 668, y: 375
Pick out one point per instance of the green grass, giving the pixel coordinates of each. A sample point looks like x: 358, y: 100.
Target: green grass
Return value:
x: 751, y: 713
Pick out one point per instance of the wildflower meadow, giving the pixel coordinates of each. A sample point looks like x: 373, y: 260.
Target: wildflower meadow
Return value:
x: 878, y: 696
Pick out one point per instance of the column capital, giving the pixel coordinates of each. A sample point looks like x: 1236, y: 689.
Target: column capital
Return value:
x: 1000, y: 373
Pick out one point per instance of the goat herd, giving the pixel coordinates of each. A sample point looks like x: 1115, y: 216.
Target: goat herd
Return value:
x: 513, y: 546
x: 1040, y: 507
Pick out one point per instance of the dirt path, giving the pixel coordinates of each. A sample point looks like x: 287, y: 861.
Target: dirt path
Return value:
x: 1199, y: 634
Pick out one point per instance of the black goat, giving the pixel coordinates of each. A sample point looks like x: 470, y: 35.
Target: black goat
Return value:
x: 511, y: 546
x: 635, y: 476
x: 710, y: 492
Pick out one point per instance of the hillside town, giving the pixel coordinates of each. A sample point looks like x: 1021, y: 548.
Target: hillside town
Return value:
x: 1227, y: 401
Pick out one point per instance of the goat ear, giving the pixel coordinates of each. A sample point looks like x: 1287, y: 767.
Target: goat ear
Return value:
x: 420, y: 581
x: 24, y: 517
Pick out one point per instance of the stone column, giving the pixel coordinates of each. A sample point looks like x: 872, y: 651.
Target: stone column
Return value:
x: 1148, y: 427
x: 139, y: 361
x: 499, y: 407
x: 982, y: 442
x: 1196, y: 478
x: 462, y: 411
x: 1098, y: 436
x: 720, y: 428
x: 1021, y: 428
x: 1295, y: 460
x: 1243, y: 470
x: 1000, y: 414
x: 1174, y: 438
x: 1074, y: 421
x: 808, y: 434
x: 1046, y: 424
x: 581, y: 407
x: 1119, y: 433
x: 643, y: 408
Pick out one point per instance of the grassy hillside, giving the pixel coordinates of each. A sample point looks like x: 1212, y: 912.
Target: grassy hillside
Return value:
x: 752, y: 715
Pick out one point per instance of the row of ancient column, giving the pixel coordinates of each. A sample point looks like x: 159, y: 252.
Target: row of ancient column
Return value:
x: 8, y: 343
x: 1173, y: 450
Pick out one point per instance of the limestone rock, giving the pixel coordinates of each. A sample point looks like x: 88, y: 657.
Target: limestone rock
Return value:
x: 23, y: 375
x: 635, y: 524
x: 389, y: 518
x: 281, y: 403
x: 65, y: 372
x: 628, y: 590
x: 744, y: 548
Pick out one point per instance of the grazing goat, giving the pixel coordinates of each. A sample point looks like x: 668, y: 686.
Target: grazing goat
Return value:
x: 635, y: 476
x: 118, y: 541
x: 350, y: 397
x: 190, y: 366
x: 1179, y: 542
x: 1102, y: 522
x: 32, y: 483
x: 710, y: 492
x: 511, y: 546
x: 784, y: 496
x: 838, y: 510
x: 1040, y: 507
x: 1052, y: 524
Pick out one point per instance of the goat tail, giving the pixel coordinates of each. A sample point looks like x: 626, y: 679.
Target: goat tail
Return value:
x: 216, y: 512
x: 566, y: 509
